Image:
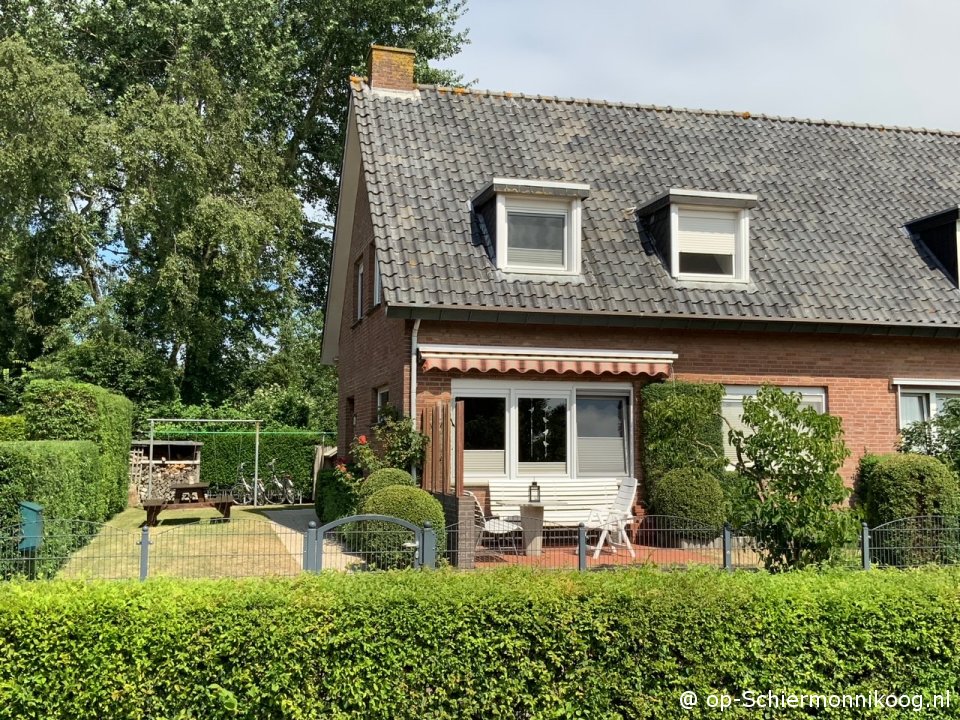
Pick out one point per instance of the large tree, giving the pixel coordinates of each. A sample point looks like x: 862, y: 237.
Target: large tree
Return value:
x: 168, y: 171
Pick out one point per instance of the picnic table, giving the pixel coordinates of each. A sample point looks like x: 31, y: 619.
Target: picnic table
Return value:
x: 188, y: 496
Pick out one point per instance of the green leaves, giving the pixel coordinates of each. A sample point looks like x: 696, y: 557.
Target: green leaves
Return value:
x: 790, y: 457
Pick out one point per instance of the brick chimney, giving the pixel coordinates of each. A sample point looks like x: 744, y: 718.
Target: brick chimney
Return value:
x: 390, y: 68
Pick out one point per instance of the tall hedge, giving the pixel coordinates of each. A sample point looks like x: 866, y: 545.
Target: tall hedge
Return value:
x: 12, y: 427
x: 64, y: 410
x: 62, y: 476
x: 897, y: 486
x: 221, y: 455
x: 444, y: 645
x: 682, y: 428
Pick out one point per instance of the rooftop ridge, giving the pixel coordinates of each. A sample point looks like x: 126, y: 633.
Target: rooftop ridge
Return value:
x: 360, y: 84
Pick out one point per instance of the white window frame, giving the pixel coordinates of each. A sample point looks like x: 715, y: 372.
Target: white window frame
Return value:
x: 572, y: 211
x: 377, y: 287
x: 920, y: 386
x: 741, y: 251
x: 381, y: 391
x: 512, y: 390
x: 358, y: 298
x: 739, y: 392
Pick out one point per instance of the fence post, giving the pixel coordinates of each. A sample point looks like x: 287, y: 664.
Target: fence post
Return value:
x: 311, y: 548
x: 144, y: 552
x: 582, y: 547
x: 727, y: 547
x: 428, y: 549
x: 865, y: 545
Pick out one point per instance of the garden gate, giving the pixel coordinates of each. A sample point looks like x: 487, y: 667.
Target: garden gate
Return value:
x: 369, y: 542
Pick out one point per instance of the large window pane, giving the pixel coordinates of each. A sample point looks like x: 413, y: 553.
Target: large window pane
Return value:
x: 542, y: 430
x: 484, y: 435
x: 536, y: 239
x: 732, y: 412
x: 601, y: 435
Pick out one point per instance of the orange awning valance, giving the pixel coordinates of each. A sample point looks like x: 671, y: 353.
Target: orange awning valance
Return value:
x: 654, y: 364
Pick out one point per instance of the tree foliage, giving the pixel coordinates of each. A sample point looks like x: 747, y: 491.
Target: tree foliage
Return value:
x: 790, y: 456
x: 168, y: 170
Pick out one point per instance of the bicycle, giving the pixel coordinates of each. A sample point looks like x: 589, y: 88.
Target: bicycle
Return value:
x: 243, y: 491
x: 281, y: 488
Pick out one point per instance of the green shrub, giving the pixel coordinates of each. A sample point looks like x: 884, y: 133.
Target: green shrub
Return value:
x: 336, y: 497
x: 447, y: 645
x: 682, y: 428
x: 385, y: 477
x: 739, y: 501
x: 689, y: 493
x: 12, y: 427
x: 63, y: 410
x: 62, y: 476
x: 790, y: 456
x: 382, y: 541
x: 892, y: 487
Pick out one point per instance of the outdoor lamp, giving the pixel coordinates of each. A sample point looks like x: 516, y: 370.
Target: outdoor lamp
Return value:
x: 534, y: 492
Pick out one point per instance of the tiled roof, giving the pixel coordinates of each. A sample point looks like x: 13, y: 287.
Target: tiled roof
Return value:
x: 827, y: 241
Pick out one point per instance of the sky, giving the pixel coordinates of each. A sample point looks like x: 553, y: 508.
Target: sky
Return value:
x: 890, y: 62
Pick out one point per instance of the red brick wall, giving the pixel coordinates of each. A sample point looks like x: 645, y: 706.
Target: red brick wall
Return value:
x: 856, y: 371
x: 375, y: 350
x: 391, y: 68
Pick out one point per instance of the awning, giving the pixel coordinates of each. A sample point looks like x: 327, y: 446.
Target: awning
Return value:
x: 654, y: 364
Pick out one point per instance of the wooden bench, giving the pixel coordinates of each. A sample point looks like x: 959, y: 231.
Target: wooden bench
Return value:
x: 154, y: 506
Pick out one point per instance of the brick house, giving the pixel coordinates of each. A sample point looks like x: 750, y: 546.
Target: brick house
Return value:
x: 541, y: 259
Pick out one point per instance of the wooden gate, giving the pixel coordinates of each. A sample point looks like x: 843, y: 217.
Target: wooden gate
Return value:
x: 443, y: 464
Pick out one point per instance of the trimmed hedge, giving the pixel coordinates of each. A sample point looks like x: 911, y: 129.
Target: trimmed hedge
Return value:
x: 62, y: 476
x: 897, y: 486
x: 335, y: 498
x: 501, y: 644
x: 689, y: 493
x: 382, y: 539
x: 682, y: 428
x: 221, y: 455
x: 380, y: 479
x: 64, y: 410
x: 12, y: 428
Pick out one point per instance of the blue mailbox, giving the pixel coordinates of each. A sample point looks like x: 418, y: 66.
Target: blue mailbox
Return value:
x: 31, y: 525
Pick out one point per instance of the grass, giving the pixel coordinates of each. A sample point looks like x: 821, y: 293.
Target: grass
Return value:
x: 190, y: 543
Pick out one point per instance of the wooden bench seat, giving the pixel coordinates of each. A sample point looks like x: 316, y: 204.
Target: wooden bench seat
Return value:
x: 154, y: 506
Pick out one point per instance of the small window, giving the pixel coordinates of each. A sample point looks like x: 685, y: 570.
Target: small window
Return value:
x: 484, y: 435
x: 538, y: 235
x: 377, y: 286
x: 710, y: 244
x: 732, y: 410
x: 542, y: 435
x: 358, y: 300
x: 383, y: 400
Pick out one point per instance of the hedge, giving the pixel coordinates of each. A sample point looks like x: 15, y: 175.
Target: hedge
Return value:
x: 382, y: 478
x: 221, y: 455
x: 503, y: 644
x: 897, y: 486
x: 12, y: 427
x: 690, y: 493
x: 682, y: 428
x: 335, y: 497
x: 65, y: 410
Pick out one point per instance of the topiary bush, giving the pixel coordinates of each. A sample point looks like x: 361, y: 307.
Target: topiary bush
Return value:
x: 385, y: 477
x: 382, y: 541
x: 693, y: 494
x: 896, y: 486
x: 64, y: 410
x: 682, y: 428
x: 336, y: 496
x: 12, y: 427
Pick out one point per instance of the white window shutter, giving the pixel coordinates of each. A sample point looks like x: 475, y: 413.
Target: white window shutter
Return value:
x: 709, y: 232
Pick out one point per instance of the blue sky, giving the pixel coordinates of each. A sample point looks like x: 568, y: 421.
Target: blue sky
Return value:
x: 880, y: 61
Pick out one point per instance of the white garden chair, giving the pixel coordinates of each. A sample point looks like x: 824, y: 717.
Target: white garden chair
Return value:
x: 494, y: 526
x: 613, y: 521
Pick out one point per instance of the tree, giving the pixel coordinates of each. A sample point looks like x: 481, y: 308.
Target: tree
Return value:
x: 790, y: 456
x: 939, y: 436
x: 177, y: 162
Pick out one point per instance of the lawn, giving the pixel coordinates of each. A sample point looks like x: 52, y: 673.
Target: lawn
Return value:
x: 195, y: 543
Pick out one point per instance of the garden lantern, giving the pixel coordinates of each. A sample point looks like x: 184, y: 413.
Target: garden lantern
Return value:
x: 534, y: 492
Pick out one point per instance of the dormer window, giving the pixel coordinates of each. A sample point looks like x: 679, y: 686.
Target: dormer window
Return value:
x: 702, y: 236
x: 534, y: 225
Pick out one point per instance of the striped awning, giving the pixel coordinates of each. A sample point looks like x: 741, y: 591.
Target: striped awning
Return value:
x: 463, y: 358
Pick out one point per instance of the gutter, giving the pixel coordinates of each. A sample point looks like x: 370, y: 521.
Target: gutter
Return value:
x: 413, y: 380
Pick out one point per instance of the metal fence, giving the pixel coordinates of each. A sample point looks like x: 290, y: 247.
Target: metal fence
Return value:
x: 73, y: 549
